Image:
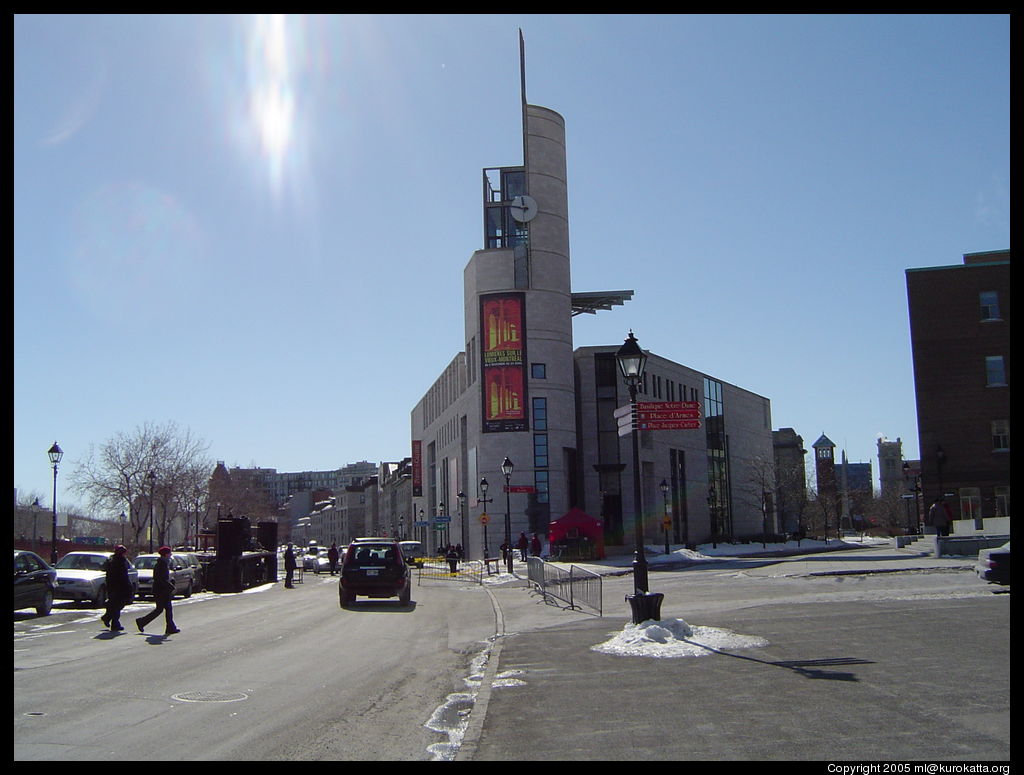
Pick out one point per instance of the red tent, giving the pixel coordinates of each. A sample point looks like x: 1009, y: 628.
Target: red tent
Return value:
x: 577, y: 529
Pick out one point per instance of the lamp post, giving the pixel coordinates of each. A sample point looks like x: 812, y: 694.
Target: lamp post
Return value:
x: 483, y: 517
x: 646, y: 605
x: 55, y: 453
x: 121, y: 519
x: 438, y: 528
x: 665, y: 522
x: 152, y: 489
x: 631, y: 363
x: 36, y: 507
x: 462, y: 524
x: 506, y: 468
x: 426, y: 541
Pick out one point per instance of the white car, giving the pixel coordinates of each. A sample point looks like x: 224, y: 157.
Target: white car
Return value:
x: 81, y: 576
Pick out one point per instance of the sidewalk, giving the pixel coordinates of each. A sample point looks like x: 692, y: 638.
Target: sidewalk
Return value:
x: 849, y: 556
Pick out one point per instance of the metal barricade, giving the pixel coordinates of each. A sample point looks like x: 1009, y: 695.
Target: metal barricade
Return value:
x: 466, y: 570
x: 577, y: 587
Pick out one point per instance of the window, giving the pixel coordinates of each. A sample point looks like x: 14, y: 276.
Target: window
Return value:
x: 540, y: 450
x: 995, y: 371
x: 1001, y: 435
x: 538, y: 370
x: 540, y: 414
x: 989, y: 305
x: 970, y: 503
x: 1002, y: 501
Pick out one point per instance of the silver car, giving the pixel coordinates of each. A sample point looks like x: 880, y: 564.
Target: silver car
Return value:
x: 81, y: 576
x: 182, y: 575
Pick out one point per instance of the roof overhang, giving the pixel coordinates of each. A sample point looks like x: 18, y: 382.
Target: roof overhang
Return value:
x: 593, y: 301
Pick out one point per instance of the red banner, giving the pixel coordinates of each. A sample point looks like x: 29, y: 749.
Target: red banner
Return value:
x: 503, y: 362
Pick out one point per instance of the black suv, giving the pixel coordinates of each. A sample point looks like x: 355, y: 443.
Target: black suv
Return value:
x: 374, y: 569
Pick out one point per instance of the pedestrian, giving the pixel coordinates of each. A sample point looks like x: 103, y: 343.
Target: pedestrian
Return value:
x: 535, y: 546
x: 504, y: 551
x: 163, y: 591
x: 523, y: 545
x: 119, y: 588
x: 332, y: 557
x: 940, y: 517
x: 289, y: 567
x: 453, y: 559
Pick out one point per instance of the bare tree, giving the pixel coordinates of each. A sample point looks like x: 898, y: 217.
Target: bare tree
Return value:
x: 138, y: 472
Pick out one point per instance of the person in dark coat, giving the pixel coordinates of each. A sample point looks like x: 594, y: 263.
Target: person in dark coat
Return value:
x: 453, y: 559
x: 535, y: 546
x: 523, y: 546
x: 119, y: 588
x: 163, y: 591
x: 332, y: 557
x: 289, y: 567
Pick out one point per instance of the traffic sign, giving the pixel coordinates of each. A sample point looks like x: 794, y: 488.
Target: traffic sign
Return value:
x: 520, y: 488
x: 442, y: 519
x: 623, y: 411
x: 484, y: 519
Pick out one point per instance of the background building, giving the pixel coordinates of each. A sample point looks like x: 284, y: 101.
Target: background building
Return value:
x: 960, y: 338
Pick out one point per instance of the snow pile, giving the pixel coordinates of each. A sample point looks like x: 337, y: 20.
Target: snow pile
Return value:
x: 674, y: 638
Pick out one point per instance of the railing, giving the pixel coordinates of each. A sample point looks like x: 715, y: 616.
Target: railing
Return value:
x: 577, y: 587
x: 465, y: 570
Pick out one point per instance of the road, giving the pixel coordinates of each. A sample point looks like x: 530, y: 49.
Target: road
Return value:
x: 270, y: 674
x: 884, y: 666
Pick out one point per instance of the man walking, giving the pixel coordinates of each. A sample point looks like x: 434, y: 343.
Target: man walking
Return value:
x: 163, y: 591
x: 289, y: 567
x: 119, y: 588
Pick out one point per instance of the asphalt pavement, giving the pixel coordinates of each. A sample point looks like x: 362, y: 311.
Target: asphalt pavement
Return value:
x: 897, y: 676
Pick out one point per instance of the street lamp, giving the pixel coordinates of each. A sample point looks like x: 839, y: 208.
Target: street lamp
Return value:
x: 506, y: 468
x: 462, y: 524
x: 55, y: 453
x: 631, y: 363
x: 438, y: 526
x: 483, y: 517
x: 121, y: 518
x: 35, y: 529
x: 665, y: 520
x: 152, y: 489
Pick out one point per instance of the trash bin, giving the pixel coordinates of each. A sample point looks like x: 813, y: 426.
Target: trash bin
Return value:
x: 646, y: 606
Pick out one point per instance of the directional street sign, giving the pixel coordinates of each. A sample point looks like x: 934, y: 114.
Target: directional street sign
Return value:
x: 668, y: 425
x: 683, y: 414
x: 520, y: 488
x: 666, y: 406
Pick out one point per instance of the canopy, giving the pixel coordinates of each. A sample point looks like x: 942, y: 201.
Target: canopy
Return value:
x: 576, y: 526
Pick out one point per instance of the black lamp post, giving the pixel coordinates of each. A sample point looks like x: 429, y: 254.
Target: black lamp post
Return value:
x: 438, y: 528
x: 665, y: 520
x: 483, y: 517
x: 506, y: 468
x: 121, y: 518
x: 462, y: 524
x: 152, y: 490
x: 35, y: 525
x: 631, y: 363
x: 646, y: 605
x: 55, y: 453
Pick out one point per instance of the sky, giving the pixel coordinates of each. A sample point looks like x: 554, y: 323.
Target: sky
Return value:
x: 255, y: 227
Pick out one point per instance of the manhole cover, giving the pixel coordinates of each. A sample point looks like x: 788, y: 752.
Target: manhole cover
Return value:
x: 209, y: 697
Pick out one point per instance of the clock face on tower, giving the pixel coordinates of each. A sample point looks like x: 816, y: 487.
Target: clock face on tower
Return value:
x: 523, y: 208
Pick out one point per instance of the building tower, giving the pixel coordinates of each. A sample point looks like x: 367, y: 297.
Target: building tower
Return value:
x: 890, y: 466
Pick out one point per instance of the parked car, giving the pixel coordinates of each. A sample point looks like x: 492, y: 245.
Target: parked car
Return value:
x: 34, y: 582
x: 82, y: 576
x: 412, y: 551
x: 374, y: 569
x: 198, y: 572
x: 994, y: 564
x: 182, y: 575
x: 309, y: 559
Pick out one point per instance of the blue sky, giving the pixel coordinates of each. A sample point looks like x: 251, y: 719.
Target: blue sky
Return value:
x: 256, y: 228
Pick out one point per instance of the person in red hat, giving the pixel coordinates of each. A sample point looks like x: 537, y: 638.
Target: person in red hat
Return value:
x: 163, y: 591
x: 119, y: 588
